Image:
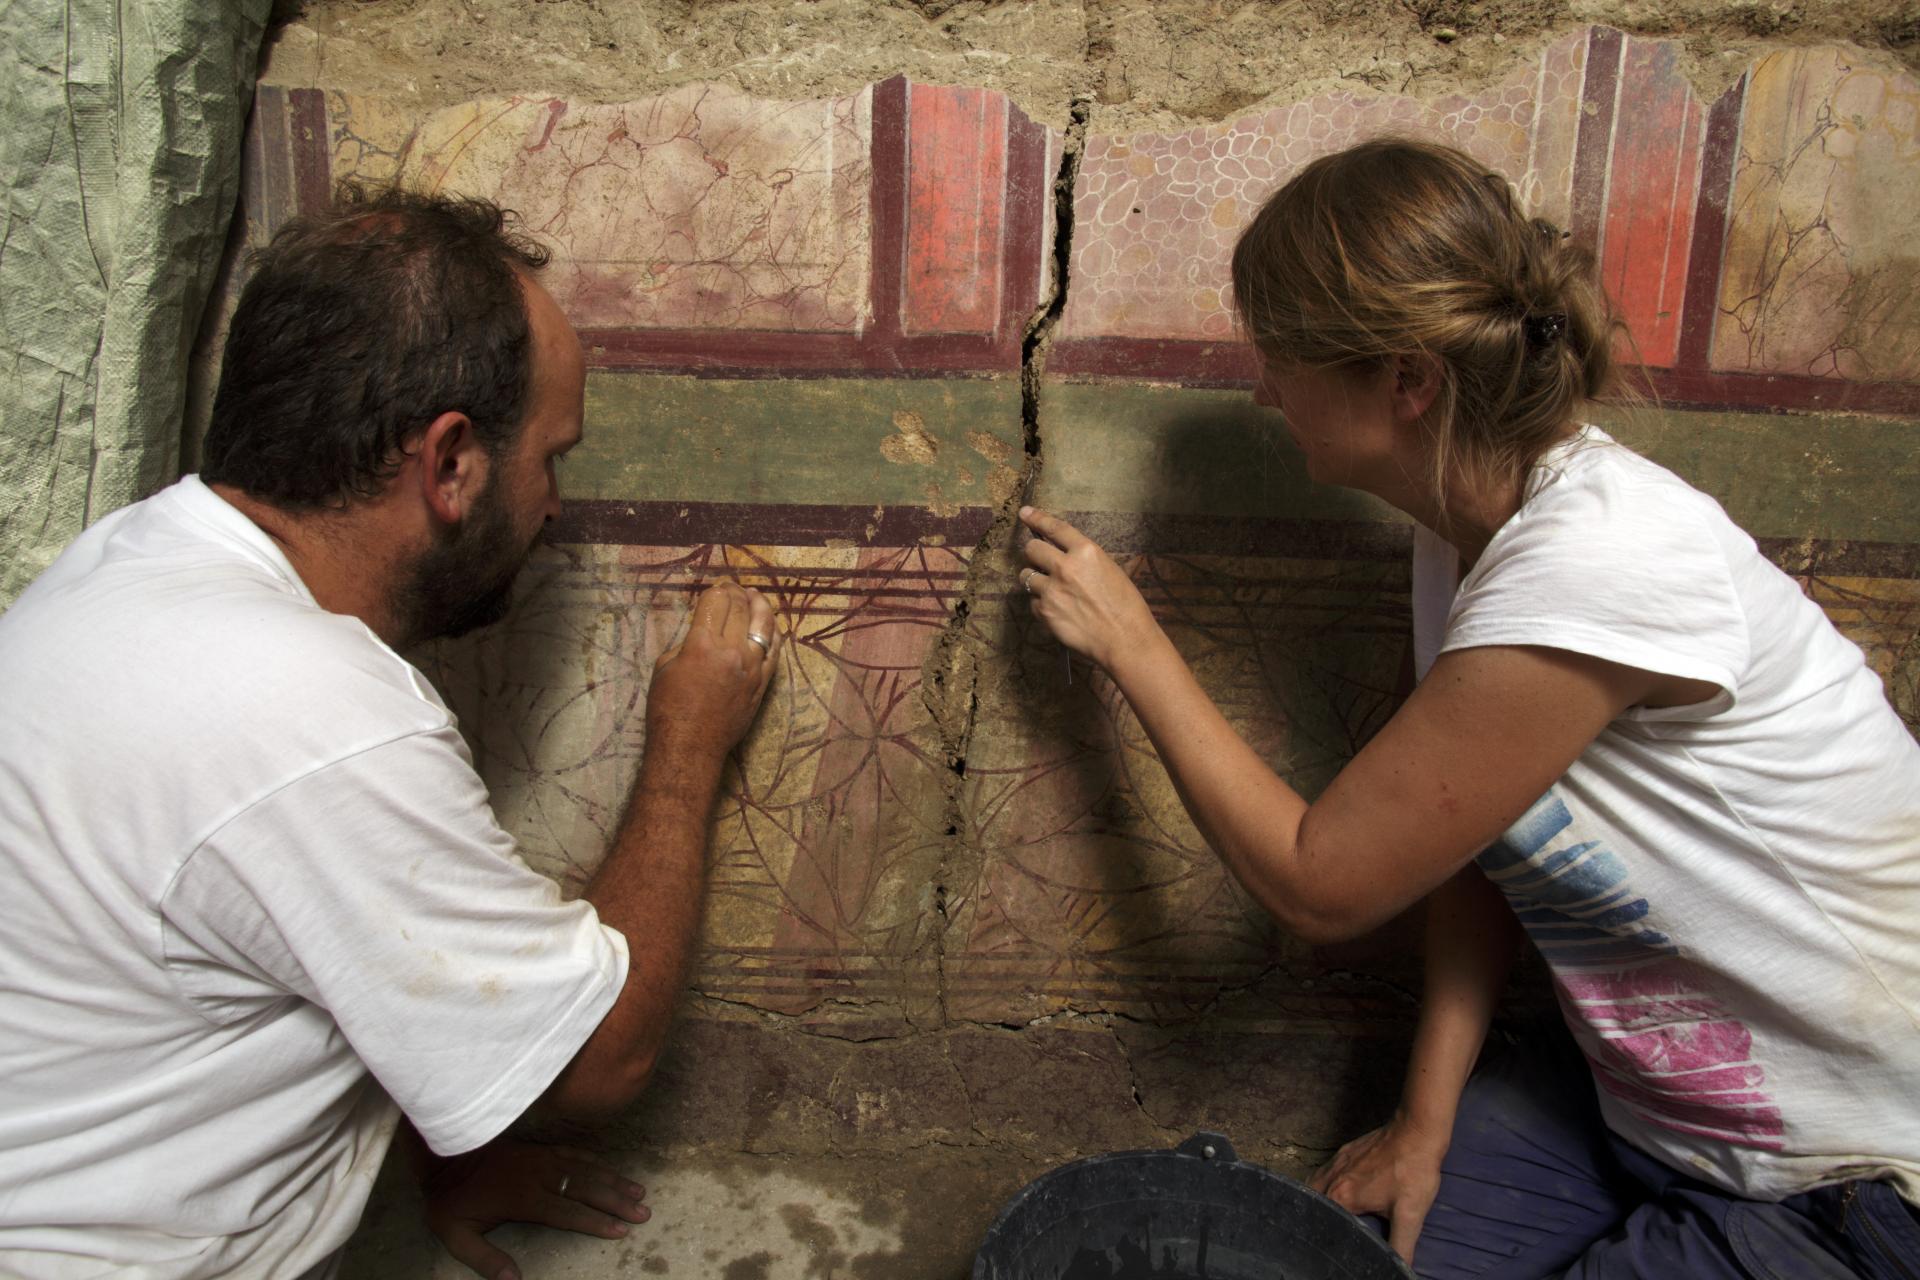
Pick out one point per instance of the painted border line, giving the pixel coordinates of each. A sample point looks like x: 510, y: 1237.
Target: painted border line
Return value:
x: 611, y: 522
x: 1229, y: 366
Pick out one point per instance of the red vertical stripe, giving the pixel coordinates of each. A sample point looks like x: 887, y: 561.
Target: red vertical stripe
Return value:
x: 1652, y: 188
x: 956, y: 193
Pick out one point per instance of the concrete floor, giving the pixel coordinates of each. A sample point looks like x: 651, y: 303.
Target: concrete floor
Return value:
x: 771, y: 1152
x: 739, y: 1218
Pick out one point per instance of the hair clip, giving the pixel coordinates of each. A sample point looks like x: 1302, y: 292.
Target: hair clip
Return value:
x: 1544, y: 330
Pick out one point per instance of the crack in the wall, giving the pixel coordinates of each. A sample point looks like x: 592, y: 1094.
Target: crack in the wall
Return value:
x: 1166, y: 1132
x: 950, y: 687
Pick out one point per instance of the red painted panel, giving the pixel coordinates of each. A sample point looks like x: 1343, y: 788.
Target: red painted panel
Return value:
x: 956, y: 194
x: 1652, y: 188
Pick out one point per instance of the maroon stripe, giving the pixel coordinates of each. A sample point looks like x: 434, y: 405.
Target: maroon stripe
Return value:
x: 680, y: 524
x: 1203, y: 364
x: 763, y: 354
x: 1192, y: 364
x: 610, y: 522
x: 1776, y: 392
x: 1594, y: 145
x: 1718, y: 154
x: 1842, y: 558
x: 276, y: 169
x: 308, y: 141
x: 888, y: 203
x: 1029, y: 202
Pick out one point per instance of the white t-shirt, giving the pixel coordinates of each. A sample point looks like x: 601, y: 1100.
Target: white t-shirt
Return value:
x: 1728, y: 893
x: 253, y: 890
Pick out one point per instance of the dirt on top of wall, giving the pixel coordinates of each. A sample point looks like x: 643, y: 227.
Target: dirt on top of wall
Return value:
x: 1145, y: 63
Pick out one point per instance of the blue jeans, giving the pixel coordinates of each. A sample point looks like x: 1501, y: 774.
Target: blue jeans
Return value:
x: 1536, y: 1186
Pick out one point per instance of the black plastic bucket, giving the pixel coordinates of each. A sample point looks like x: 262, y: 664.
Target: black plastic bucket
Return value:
x: 1196, y: 1212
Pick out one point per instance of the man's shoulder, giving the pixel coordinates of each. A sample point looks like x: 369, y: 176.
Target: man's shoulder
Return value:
x: 193, y: 642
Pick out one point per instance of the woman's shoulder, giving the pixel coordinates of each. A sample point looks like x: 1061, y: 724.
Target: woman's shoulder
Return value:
x: 1592, y: 482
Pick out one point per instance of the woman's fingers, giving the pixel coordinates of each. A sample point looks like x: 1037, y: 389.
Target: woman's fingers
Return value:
x: 1403, y: 1226
x: 1043, y: 555
x: 1052, y: 528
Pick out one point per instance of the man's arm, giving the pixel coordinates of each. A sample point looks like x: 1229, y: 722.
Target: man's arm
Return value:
x: 652, y: 885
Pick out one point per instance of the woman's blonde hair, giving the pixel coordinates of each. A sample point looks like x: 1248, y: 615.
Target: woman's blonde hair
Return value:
x: 1398, y: 247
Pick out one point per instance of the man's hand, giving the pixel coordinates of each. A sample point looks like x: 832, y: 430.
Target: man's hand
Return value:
x: 707, y: 688
x: 1394, y: 1172
x: 506, y: 1181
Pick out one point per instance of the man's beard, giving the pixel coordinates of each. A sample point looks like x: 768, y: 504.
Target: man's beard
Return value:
x: 465, y: 581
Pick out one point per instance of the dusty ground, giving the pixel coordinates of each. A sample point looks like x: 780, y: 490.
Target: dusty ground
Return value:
x: 1144, y: 62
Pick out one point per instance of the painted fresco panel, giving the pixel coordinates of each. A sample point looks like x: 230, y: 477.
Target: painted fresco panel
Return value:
x: 859, y: 873
x: 1087, y: 886
x: 830, y: 830
x: 1819, y: 276
x: 699, y: 208
x: 1156, y: 215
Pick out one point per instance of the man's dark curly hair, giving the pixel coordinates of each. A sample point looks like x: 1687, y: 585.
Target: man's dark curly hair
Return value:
x: 358, y: 328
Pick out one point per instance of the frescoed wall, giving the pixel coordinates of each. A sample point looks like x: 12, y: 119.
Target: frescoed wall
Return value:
x: 834, y: 342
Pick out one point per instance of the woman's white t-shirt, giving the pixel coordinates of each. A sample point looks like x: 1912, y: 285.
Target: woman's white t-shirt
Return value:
x: 1728, y: 893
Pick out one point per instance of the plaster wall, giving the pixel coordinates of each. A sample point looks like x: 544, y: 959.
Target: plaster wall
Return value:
x: 853, y: 278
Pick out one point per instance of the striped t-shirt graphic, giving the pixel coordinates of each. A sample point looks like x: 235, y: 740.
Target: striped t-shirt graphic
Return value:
x: 1659, y: 1043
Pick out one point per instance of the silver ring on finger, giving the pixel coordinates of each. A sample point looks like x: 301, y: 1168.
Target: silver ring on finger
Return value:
x: 1026, y: 578
x: 766, y: 645
x: 566, y: 1180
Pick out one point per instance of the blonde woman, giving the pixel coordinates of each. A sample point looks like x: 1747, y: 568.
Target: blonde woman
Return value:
x: 1631, y: 735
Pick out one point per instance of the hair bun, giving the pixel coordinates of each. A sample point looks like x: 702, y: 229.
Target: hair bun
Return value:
x: 1545, y: 330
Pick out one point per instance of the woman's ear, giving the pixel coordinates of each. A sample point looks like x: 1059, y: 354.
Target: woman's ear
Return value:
x: 1416, y: 385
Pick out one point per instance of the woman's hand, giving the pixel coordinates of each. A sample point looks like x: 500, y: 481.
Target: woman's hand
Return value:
x: 507, y: 1181
x: 1086, y: 600
x: 1394, y: 1172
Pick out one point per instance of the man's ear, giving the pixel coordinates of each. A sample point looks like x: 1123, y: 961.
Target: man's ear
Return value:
x: 1416, y: 385
x: 452, y: 467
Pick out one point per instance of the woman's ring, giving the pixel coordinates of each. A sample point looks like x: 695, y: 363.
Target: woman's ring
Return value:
x: 766, y: 646
x: 1026, y: 579
x: 565, y: 1179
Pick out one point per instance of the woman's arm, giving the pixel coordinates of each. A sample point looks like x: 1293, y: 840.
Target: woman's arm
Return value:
x: 1471, y: 937
x: 1481, y: 738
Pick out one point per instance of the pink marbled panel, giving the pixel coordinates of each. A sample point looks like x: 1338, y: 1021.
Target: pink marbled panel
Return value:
x: 1156, y: 215
x: 1547, y: 187
x: 699, y: 208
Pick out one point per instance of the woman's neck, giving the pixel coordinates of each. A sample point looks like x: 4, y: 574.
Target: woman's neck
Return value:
x: 1471, y: 511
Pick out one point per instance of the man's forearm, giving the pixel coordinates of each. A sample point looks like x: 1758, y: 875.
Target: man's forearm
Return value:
x: 651, y: 887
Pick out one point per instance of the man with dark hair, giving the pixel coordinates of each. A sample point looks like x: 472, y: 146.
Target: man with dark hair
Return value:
x: 259, y: 908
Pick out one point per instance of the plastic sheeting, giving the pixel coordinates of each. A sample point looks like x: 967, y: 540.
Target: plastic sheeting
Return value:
x: 120, y: 128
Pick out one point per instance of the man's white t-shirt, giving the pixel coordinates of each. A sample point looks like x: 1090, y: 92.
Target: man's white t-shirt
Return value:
x: 253, y: 891
x: 1728, y: 893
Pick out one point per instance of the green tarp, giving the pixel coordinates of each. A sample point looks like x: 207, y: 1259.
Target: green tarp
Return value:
x: 120, y: 127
